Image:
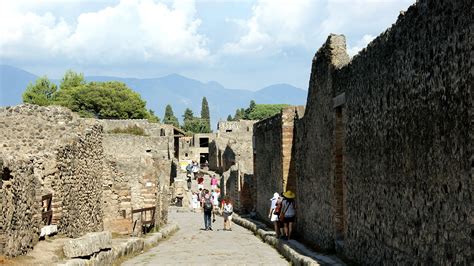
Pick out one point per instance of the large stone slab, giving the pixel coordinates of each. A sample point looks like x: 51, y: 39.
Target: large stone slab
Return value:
x: 88, y: 245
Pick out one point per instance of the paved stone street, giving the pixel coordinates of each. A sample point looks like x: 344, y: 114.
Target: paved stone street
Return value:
x: 193, y: 246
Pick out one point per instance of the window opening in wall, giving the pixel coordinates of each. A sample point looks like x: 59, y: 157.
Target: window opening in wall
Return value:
x: 176, y: 147
x: 186, y: 154
x: 203, y: 142
x: 228, y: 130
x: 203, y: 159
x: 340, y: 189
x: 248, y: 128
x: 162, y: 132
x: 46, y: 212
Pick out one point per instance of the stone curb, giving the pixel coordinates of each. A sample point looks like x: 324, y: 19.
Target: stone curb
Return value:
x: 292, y: 250
x: 119, y: 250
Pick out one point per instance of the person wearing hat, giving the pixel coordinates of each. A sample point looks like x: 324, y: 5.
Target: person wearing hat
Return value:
x: 288, y: 212
x: 274, y: 212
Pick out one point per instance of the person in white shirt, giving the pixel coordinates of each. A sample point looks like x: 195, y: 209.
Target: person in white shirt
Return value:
x: 227, y: 210
x: 275, y: 207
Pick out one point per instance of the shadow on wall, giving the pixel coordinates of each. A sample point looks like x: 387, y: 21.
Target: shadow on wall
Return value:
x: 229, y: 158
x: 246, y: 194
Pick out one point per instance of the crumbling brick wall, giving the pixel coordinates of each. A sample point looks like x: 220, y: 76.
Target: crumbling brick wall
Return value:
x: 405, y: 106
x: 48, y: 150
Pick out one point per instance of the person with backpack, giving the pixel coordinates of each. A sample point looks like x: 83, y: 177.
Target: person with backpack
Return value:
x: 288, y: 213
x: 227, y: 210
x: 207, y: 209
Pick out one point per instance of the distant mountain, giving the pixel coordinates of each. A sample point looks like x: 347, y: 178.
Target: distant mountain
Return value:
x: 13, y: 82
x: 179, y: 91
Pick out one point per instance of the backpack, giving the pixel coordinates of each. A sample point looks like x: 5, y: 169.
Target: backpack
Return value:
x: 207, y: 204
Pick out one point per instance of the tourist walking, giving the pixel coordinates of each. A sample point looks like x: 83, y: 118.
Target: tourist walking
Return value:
x: 207, y: 209
x: 227, y: 210
x: 200, y: 182
x: 195, y: 201
x: 214, y: 182
x: 288, y: 213
x: 275, y: 208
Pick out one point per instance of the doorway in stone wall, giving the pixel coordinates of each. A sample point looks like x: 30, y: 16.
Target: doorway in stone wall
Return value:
x: 340, y: 190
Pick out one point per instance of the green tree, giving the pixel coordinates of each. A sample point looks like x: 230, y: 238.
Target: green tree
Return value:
x: 205, y: 116
x: 229, y: 118
x: 107, y: 100
x: 70, y: 81
x: 262, y: 111
x: 237, y: 115
x: 249, y: 110
x: 40, y: 93
x: 188, y: 115
x: 169, y: 118
x: 152, y: 118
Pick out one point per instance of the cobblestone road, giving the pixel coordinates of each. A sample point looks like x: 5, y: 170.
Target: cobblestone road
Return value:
x: 193, y: 246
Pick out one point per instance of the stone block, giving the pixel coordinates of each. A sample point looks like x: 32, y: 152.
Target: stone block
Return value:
x: 49, y: 230
x: 88, y: 245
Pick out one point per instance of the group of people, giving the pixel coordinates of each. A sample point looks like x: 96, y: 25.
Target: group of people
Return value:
x: 282, y: 213
x: 209, y: 202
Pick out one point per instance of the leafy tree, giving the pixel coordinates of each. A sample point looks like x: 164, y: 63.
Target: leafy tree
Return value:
x: 152, y: 118
x: 188, y: 115
x: 262, y: 111
x: 70, y: 81
x: 237, y: 115
x: 249, y: 110
x: 169, y: 118
x: 40, y: 93
x: 107, y: 100
x: 195, y: 125
x: 205, y: 115
x: 229, y: 118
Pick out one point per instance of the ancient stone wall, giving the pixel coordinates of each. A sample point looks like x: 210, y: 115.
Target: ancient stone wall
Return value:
x: 48, y: 150
x: 384, y: 151
x: 231, y: 155
x: 139, y: 178
x: 273, y: 147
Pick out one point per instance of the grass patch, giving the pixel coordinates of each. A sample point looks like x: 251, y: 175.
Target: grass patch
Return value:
x: 131, y: 130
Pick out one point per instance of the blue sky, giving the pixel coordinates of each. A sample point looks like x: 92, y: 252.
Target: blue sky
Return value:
x: 241, y: 44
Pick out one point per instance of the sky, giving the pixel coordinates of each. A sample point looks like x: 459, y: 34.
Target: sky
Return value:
x: 242, y: 44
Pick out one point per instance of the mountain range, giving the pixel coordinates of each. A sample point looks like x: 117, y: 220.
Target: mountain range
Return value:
x: 177, y: 90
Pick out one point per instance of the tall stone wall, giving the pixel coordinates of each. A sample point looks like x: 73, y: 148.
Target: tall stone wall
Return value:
x: 273, y: 150
x: 48, y: 150
x: 231, y: 154
x: 385, y: 147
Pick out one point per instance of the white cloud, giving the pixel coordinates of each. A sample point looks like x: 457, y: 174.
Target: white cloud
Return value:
x: 279, y: 24
x: 130, y: 31
x: 361, y: 44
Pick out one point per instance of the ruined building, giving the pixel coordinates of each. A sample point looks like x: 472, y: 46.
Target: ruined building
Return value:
x: 383, y: 153
x: 231, y: 155
x: 51, y: 170
x: 61, y: 170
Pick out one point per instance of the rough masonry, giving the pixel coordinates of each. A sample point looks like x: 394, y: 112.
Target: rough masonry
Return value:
x: 384, y: 152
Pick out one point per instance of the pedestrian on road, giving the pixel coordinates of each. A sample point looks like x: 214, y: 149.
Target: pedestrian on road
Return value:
x: 207, y: 208
x: 227, y: 210
x: 195, y: 169
x: 200, y: 182
x: 214, y: 182
x: 195, y: 201
x: 288, y: 213
x: 215, y: 203
x: 275, y: 208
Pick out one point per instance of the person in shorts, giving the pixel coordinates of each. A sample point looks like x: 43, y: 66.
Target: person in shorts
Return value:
x: 288, y: 213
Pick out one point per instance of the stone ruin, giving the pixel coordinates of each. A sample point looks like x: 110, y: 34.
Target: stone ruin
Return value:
x: 231, y: 155
x: 384, y: 151
x: 48, y: 151
x: 59, y: 169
